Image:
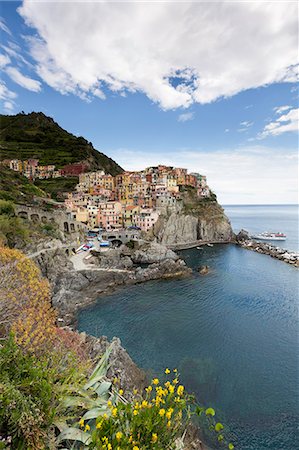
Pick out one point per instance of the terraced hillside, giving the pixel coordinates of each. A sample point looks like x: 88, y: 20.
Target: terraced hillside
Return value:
x: 37, y: 136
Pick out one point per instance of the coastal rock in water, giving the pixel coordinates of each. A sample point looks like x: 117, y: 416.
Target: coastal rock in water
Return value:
x: 243, y: 235
x: 204, y: 270
x: 152, y: 253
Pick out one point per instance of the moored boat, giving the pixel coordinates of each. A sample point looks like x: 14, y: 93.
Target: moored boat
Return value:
x: 270, y: 236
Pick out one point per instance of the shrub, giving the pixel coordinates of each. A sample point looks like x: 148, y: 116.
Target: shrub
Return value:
x: 25, y: 306
x: 7, y: 208
x: 32, y: 390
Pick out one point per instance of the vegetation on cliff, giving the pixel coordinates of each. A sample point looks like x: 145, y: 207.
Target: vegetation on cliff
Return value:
x: 35, y: 135
x: 50, y: 399
x: 16, y: 188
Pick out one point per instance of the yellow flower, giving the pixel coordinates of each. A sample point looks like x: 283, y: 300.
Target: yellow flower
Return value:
x: 175, y: 370
x: 131, y: 438
x: 114, y: 412
x: 135, y: 412
x: 171, y: 389
x: 87, y: 427
x: 162, y: 412
x: 169, y: 424
x: 109, y: 403
x: 144, y: 404
x: 180, y: 390
x: 149, y: 389
x: 135, y: 391
x: 81, y: 423
x: 135, y: 447
x: 118, y: 435
x: 121, y: 392
x: 167, y: 371
x: 154, y: 437
x: 99, y: 425
x: 155, y: 381
x: 109, y: 447
x: 168, y: 415
x: 105, y: 416
x: 175, y: 381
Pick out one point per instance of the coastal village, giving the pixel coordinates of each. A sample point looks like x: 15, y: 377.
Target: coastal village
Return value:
x: 130, y: 199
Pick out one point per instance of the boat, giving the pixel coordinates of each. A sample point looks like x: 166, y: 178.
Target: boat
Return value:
x: 199, y: 248
x: 210, y: 245
x: 104, y: 244
x: 270, y: 236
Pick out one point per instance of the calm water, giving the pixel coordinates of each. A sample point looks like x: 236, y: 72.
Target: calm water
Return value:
x: 259, y: 218
x: 232, y: 334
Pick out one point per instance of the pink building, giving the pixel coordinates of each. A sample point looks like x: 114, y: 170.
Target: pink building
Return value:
x: 110, y: 215
x: 146, y: 218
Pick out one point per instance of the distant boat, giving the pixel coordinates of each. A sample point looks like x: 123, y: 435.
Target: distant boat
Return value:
x: 199, y: 248
x: 270, y: 236
x: 210, y: 245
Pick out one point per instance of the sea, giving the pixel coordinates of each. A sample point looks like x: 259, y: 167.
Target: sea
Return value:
x: 232, y: 334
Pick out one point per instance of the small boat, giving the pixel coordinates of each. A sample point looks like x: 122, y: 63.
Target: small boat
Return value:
x: 210, y: 245
x: 199, y: 248
x: 104, y: 244
x: 270, y: 236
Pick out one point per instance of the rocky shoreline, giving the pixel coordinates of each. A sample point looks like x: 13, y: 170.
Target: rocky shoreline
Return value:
x: 105, y: 272
x: 264, y: 248
x: 76, y: 289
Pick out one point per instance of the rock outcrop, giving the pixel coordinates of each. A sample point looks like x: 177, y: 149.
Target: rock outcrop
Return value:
x: 75, y: 289
x: 121, y: 366
x: 152, y: 252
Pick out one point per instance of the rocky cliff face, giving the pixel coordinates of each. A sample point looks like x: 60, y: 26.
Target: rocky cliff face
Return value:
x: 205, y: 221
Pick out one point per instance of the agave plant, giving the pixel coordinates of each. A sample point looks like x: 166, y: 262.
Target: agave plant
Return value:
x: 88, y: 402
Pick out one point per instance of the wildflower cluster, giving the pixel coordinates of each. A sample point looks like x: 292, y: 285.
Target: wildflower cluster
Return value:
x: 153, y: 420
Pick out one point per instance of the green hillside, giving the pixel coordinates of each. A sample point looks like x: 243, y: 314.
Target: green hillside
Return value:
x: 37, y: 136
x: 16, y: 188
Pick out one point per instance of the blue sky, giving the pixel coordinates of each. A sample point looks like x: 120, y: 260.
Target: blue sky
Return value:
x: 147, y: 87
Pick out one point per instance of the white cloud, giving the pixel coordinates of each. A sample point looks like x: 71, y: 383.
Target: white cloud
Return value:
x: 245, y: 126
x: 4, y: 27
x: 22, y: 80
x: 185, y: 117
x: 9, y: 106
x: 5, y: 93
x: 7, y: 97
x: 4, y: 60
x: 281, y: 109
x: 226, y: 130
x: 217, y: 49
x: 245, y: 175
x: 285, y: 123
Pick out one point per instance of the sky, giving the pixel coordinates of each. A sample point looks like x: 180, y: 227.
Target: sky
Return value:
x: 209, y: 86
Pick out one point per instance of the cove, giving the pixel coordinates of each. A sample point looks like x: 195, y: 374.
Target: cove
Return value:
x: 232, y: 334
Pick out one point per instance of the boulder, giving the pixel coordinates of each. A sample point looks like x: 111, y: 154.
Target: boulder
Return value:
x: 243, y: 235
x: 152, y: 253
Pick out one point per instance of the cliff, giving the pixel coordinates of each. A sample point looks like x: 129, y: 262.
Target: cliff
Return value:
x: 196, y: 220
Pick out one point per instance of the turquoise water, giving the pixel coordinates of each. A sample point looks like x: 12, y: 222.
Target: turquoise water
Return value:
x: 232, y: 334
x: 259, y: 218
